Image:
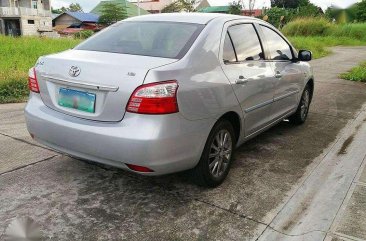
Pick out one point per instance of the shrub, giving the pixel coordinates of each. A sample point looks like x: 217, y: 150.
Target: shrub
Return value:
x: 319, y: 44
x: 308, y: 27
x: 84, y: 34
x: 14, y: 90
x: 355, y: 31
x: 322, y: 27
x: 356, y: 74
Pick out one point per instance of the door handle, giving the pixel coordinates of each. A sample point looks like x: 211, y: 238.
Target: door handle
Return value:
x: 241, y: 80
x: 278, y: 75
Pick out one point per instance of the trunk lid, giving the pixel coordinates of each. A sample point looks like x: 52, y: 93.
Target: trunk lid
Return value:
x: 110, y: 78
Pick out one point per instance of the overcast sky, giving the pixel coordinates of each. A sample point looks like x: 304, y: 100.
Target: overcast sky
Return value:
x: 90, y: 4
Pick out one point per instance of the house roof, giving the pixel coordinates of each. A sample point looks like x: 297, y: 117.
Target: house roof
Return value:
x: 202, y: 4
x: 54, y: 15
x: 131, y: 9
x: 215, y: 9
x: 82, y: 17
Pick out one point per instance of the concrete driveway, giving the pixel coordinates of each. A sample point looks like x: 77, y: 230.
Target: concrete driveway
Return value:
x: 75, y: 200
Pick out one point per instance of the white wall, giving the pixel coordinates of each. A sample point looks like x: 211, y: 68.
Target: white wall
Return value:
x: 40, y: 23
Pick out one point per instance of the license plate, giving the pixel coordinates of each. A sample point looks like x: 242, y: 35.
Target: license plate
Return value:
x: 76, y: 99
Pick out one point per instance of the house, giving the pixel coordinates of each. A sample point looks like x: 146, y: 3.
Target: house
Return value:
x: 152, y: 6
x: 72, y: 22
x: 253, y: 13
x: 25, y: 17
x: 131, y: 9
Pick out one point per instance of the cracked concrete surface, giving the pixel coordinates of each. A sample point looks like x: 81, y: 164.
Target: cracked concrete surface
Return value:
x: 310, y: 212
x: 76, y: 200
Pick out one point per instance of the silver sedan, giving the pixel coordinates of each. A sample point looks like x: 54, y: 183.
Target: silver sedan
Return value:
x: 165, y: 93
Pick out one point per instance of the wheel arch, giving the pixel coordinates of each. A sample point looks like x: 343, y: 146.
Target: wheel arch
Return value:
x: 235, y: 120
x: 310, y: 83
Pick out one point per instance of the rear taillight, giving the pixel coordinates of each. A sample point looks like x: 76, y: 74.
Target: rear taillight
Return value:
x: 32, y: 81
x: 154, y: 98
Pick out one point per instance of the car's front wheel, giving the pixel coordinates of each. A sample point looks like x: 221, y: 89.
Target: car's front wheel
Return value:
x: 217, y: 155
x: 299, y: 117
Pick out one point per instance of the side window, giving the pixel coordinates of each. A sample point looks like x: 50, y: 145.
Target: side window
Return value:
x: 228, y: 52
x: 246, y: 42
x: 278, y: 47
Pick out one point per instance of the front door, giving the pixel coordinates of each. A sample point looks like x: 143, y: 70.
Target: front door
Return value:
x: 288, y: 73
x: 250, y: 75
x: 12, y: 27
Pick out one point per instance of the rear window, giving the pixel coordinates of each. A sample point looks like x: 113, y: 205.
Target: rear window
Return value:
x: 157, y: 39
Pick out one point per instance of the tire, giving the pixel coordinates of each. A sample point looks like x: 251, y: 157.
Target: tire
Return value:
x: 301, y: 114
x: 216, y: 158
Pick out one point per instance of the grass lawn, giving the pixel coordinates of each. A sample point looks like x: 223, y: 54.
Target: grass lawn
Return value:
x: 356, y: 74
x: 318, y: 45
x: 17, y: 56
x: 316, y: 34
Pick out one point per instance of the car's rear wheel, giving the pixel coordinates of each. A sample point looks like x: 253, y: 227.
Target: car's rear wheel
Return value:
x: 216, y: 158
x: 301, y: 114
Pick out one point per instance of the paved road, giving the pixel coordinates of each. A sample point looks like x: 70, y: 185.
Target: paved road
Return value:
x: 74, y: 200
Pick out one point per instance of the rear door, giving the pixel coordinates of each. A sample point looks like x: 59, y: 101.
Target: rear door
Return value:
x: 288, y: 74
x: 243, y: 62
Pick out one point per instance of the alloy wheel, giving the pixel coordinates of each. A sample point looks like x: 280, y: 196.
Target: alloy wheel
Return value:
x: 220, y: 153
x: 305, y: 102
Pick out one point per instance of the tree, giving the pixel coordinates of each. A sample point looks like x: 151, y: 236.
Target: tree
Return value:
x: 56, y: 11
x: 360, y: 12
x: 285, y: 3
x: 309, y: 10
x: 251, y: 4
x: 303, y: 3
x: 73, y: 7
x: 279, y: 16
x: 235, y: 8
x: 180, y: 6
x: 112, y: 13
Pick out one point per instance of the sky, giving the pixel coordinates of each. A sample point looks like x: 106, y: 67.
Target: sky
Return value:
x: 87, y: 5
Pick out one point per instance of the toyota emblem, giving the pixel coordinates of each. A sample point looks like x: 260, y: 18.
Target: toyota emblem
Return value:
x: 74, y: 71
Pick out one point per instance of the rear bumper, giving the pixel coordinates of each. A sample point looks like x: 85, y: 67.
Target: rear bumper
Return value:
x: 163, y: 143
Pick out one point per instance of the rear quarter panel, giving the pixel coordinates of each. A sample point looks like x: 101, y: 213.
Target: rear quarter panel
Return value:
x: 204, y: 91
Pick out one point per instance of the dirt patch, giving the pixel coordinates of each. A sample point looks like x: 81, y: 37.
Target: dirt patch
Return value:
x: 345, y: 145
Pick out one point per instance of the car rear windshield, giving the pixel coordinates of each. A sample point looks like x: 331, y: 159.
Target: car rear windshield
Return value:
x: 157, y: 39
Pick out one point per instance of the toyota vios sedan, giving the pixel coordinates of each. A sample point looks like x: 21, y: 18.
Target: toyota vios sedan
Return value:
x: 164, y: 93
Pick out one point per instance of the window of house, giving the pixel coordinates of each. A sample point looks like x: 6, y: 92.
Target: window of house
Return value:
x: 34, y: 4
x: 30, y: 21
x: 279, y: 48
x: 246, y: 42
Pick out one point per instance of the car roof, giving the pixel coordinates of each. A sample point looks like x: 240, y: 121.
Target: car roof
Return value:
x: 198, y: 18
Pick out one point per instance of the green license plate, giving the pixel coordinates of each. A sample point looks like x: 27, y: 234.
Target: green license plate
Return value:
x: 76, y: 99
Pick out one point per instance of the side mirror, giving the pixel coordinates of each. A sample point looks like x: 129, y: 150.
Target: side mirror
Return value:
x: 305, y: 55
